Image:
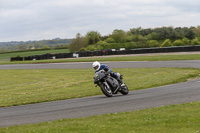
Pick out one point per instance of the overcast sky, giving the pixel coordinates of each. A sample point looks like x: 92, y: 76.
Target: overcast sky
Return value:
x: 23, y: 20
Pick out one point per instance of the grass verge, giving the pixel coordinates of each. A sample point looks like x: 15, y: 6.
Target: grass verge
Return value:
x: 184, y: 118
x: 118, y: 58
x: 19, y: 87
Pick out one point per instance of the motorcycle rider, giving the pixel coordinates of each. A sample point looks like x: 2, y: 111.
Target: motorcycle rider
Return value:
x: 97, y: 66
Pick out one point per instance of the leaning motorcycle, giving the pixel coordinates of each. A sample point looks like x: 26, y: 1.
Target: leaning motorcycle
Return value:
x: 108, y: 84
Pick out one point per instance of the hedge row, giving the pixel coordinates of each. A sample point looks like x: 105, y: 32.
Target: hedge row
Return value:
x: 108, y: 52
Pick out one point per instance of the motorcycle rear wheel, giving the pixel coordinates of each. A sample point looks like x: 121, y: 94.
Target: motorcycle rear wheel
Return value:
x: 106, y: 91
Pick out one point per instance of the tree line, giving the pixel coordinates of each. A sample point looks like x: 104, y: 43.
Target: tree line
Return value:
x: 137, y: 38
x: 134, y: 38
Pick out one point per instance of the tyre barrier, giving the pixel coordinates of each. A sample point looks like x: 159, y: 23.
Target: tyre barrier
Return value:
x: 109, y: 52
x: 16, y: 59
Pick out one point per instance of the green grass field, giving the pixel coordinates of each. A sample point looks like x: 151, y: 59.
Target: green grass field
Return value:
x: 33, y: 86
x: 4, y: 58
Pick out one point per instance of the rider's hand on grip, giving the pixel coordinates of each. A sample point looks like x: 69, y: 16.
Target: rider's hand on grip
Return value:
x: 106, y: 69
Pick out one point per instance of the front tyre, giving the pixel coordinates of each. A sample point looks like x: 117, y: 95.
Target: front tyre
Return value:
x: 106, y: 90
x: 124, y: 90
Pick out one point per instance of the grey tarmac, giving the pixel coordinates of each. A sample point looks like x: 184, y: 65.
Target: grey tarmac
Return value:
x: 122, y: 64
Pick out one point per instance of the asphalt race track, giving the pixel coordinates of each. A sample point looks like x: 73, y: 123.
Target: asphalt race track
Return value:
x: 130, y: 64
x: 95, y: 105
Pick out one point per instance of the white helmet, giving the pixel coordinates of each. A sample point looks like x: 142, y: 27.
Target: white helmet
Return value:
x: 96, y: 65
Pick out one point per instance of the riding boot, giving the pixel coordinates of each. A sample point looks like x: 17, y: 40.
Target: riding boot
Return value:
x: 117, y: 76
x: 120, y: 81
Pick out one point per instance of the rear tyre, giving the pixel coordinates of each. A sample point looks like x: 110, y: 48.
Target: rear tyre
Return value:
x: 106, y: 90
x: 124, y: 90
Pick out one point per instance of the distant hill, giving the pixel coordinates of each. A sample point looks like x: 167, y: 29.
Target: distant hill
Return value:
x: 23, y: 45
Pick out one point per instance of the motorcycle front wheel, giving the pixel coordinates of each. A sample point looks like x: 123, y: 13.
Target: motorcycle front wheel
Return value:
x: 124, y: 90
x: 106, y: 90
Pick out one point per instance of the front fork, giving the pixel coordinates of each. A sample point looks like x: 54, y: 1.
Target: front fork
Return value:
x: 106, y: 84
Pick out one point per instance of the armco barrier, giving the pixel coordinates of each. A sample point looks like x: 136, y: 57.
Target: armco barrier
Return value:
x: 109, y: 52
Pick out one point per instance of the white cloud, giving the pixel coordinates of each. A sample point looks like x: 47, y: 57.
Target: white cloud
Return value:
x: 47, y: 19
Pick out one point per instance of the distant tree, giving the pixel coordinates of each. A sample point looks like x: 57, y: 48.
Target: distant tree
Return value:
x: 136, y: 31
x: 166, y: 43
x: 179, y: 33
x: 178, y: 43
x: 197, y: 31
x: 92, y: 37
x: 153, y: 43
x: 164, y: 32
x: 186, y: 41
x: 189, y: 32
x: 104, y: 37
x: 83, y: 49
x: 103, y: 45
x: 152, y: 36
x: 137, y: 38
x: 129, y: 38
x: 77, y: 43
x: 195, y: 42
x: 119, y: 36
x: 91, y: 48
x: 130, y: 45
x: 45, y: 47
x: 110, y: 40
x: 142, y: 42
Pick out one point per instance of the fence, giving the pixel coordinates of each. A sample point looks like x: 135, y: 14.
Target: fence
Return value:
x: 108, y: 52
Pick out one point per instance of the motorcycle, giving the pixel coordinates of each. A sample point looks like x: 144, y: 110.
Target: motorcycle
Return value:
x: 108, y: 84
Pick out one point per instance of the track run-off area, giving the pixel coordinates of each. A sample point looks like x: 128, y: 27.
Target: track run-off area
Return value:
x: 96, y: 105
